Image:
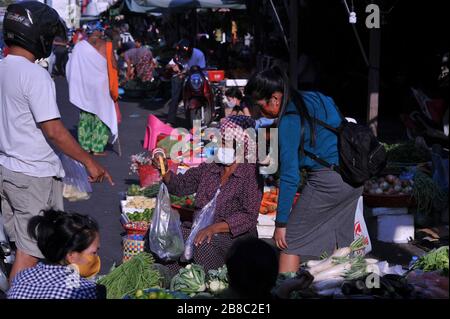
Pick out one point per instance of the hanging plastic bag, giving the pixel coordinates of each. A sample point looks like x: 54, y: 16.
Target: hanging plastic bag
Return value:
x: 165, y: 236
x: 203, y: 219
x: 76, y: 183
x: 361, y: 228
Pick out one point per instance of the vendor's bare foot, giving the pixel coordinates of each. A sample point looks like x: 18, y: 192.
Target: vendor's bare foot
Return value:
x: 99, y: 153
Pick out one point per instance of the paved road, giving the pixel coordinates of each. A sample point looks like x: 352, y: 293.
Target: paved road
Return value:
x: 104, y: 204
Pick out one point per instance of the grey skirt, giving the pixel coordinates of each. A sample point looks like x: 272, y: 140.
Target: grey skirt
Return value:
x: 323, y: 217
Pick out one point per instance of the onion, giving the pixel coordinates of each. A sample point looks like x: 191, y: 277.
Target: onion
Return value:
x: 390, y: 179
x: 384, y: 186
x: 397, y: 188
x: 378, y: 191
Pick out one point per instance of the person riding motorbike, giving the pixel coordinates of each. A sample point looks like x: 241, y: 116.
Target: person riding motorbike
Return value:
x: 186, y: 57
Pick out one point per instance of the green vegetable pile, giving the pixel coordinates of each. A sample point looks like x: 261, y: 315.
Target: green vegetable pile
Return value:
x: 407, y: 153
x: 183, y: 201
x: 136, y: 274
x: 134, y: 190
x: 145, y: 216
x: 435, y: 260
x: 190, y: 280
x: 427, y: 194
x: 150, y: 191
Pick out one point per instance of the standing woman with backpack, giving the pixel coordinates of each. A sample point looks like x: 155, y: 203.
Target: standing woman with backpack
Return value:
x: 323, y: 217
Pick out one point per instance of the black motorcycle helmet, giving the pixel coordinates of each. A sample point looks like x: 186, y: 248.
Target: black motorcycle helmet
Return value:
x: 184, y: 49
x: 33, y: 25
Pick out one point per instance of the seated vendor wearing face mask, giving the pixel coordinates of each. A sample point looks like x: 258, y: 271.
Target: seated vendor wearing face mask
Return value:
x: 69, y: 243
x: 234, y: 103
x: 238, y: 202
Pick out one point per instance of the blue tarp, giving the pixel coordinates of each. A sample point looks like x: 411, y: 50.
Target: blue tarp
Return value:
x: 142, y: 6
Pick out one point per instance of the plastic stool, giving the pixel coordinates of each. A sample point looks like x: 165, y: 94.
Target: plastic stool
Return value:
x: 154, y: 128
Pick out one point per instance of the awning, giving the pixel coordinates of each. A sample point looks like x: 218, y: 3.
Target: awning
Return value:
x: 142, y: 6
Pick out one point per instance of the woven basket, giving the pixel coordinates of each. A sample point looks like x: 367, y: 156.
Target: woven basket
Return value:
x: 131, y: 248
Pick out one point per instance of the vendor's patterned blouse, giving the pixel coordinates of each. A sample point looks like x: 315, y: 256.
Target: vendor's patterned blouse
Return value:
x: 239, y: 200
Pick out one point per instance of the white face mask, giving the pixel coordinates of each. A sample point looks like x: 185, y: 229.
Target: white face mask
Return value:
x: 231, y: 103
x: 225, y: 155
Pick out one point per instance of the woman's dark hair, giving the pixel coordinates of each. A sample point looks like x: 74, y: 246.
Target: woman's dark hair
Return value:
x: 234, y: 92
x: 255, y: 112
x: 262, y: 85
x: 252, y: 268
x: 59, y: 233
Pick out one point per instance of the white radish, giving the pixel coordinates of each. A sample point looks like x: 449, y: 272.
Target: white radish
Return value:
x: 333, y: 272
x: 322, y: 266
x: 371, y: 261
x: 328, y: 284
x: 313, y: 263
x: 342, y: 252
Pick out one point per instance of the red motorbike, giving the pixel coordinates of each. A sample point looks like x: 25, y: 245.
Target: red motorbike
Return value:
x: 202, y: 100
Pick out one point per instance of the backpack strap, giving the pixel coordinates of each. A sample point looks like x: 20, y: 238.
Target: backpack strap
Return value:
x: 302, y: 150
x: 322, y: 162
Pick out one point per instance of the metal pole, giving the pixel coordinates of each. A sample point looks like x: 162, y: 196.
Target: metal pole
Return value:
x: 293, y: 45
x: 374, y: 79
x: 279, y: 23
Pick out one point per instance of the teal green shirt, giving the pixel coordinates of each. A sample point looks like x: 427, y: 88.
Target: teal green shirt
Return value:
x: 322, y: 108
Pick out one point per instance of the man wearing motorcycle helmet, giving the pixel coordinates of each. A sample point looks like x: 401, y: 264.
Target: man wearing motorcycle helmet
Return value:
x: 30, y: 171
x: 186, y: 57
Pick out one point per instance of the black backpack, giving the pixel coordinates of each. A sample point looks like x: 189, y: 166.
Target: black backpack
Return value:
x: 361, y: 155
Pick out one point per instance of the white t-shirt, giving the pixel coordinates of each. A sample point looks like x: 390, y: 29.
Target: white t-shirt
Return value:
x: 197, y: 58
x: 126, y: 37
x: 27, y: 97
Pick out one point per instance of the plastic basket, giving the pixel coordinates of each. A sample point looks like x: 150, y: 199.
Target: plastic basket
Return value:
x: 137, y: 228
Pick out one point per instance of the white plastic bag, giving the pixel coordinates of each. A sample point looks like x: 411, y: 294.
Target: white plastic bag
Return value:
x: 76, y: 183
x: 361, y: 228
x: 203, y: 219
x: 165, y: 236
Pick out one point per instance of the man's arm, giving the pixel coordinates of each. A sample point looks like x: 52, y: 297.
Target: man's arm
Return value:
x: 55, y: 131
